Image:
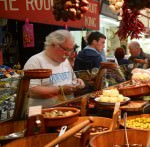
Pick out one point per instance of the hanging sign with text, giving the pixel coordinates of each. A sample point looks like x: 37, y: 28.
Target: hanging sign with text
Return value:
x: 40, y: 11
x: 28, y: 34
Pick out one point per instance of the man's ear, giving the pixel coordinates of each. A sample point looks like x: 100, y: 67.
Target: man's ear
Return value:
x: 94, y: 42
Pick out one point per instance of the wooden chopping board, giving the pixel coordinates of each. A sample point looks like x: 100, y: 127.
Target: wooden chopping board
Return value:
x: 130, y: 106
x: 134, y: 106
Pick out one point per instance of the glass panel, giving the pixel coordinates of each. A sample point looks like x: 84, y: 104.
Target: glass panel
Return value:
x: 8, y: 93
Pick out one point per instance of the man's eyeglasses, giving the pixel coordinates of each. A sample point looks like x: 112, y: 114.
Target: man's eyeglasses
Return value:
x: 66, y: 49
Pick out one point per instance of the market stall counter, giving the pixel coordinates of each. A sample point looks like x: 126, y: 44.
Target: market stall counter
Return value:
x: 89, y: 106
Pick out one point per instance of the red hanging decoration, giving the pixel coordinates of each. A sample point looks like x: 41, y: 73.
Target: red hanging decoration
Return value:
x: 28, y: 34
x: 130, y: 25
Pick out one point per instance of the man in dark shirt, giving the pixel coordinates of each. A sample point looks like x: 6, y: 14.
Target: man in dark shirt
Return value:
x: 90, y: 56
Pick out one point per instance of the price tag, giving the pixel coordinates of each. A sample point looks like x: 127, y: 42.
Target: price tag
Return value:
x: 35, y: 110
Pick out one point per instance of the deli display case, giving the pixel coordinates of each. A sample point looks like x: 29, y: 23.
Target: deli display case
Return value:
x: 8, y: 94
x: 14, y: 93
x: 17, y: 88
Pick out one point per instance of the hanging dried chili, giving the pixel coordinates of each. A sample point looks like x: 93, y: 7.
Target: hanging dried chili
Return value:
x: 130, y: 25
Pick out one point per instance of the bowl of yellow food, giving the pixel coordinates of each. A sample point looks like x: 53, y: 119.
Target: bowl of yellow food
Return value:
x: 139, y: 122
x: 110, y: 97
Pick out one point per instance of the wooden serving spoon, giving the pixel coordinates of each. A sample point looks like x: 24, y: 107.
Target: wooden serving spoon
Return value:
x: 70, y: 132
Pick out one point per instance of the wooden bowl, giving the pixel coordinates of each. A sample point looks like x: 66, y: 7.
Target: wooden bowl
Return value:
x: 61, y: 120
x: 117, y: 137
x: 140, y: 61
x: 108, y: 65
x: 37, y: 73
x: 42, y: 140
x: 97, y: 122
x: 135, y: 90
x: 134, y: 117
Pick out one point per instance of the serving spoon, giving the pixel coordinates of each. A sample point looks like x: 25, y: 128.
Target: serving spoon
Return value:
x: 125, y: 129
x: 13, y: 135
x: 62, y: 131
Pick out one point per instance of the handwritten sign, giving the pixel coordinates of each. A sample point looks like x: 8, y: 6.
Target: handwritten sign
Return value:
x: 35, y: 110
x: 41, y: 11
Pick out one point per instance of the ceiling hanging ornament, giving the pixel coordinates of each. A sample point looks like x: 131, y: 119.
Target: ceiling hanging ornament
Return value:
x: 116, y: 5
x: 69, y: 9
x: 130, y: 25
x: 129, y: 11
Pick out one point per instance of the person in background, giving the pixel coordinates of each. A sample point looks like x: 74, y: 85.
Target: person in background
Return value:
x: 125, y: 48
x: 122, y: 62
x: 84, y: 42
x: 90, y: 56
x: 137, y: 53
x: 119, y: 55
x: 62, y: 83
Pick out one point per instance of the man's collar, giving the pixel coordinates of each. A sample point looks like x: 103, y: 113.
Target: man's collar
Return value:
x: 91, y: 48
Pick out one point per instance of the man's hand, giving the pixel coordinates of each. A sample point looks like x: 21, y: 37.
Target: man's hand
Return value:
x: 71, y: 88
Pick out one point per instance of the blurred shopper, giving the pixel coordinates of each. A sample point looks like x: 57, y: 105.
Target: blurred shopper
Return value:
x: 119, y: 55
x: 58, y: 46
x: 84, y: 42
x: 103, y: 55
x: 90, y: 57
x: 137, y: 53
x: 123, y: 63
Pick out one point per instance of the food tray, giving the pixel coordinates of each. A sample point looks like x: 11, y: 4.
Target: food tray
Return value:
x: 61, y: 120
x: 135, y: 90
x: 111, y: 104
x: 97, y: 122
x: 135, y: 117
x: 116, y: 138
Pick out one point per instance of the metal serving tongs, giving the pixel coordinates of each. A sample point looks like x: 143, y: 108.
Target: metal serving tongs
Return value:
x: 62, y: 131
x: 125, y: 129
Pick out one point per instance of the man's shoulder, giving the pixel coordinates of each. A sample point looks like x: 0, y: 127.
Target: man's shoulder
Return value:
x: 90, y: 52
x: 146, y: 55
x: 40, y: 54
x: 130, y: 58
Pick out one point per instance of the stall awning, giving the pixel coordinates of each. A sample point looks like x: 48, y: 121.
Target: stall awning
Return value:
x: 40, y: 11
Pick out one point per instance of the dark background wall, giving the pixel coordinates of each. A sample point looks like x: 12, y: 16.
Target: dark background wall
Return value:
x: 13, y: 50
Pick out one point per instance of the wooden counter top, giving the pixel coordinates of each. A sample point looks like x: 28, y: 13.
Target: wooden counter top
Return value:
x: 130, y: 106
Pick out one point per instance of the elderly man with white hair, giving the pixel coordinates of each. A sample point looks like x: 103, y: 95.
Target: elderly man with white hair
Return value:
x: 137, y: 53
x: 47, y: 92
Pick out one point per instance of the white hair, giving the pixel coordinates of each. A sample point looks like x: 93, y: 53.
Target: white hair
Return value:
x: 58, y: 37
x: 134, y: 45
